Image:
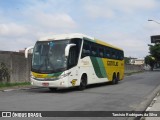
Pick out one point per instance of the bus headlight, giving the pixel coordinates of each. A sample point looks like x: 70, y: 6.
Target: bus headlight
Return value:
x: 64, y: 75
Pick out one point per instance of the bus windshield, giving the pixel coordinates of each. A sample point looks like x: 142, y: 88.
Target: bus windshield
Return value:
x: 49, y: 56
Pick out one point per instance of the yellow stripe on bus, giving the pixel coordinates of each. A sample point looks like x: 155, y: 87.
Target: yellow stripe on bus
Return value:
x: 106, y: 44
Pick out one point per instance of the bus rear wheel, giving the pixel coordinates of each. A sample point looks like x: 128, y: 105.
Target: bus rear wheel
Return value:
x: 118, y: 78
x: 83, y: 82
x: 114, y: 80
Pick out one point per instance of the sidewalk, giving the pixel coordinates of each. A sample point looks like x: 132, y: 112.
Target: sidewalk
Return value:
x: 154, y: 106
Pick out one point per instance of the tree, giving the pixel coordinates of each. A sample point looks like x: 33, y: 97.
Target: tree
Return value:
x: 127, y: 59
x: 4, y: 72
x: 155, y: 51
x: 149, y: 60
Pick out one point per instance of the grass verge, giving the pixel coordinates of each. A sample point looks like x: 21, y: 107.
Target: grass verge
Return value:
x: 21, y: 84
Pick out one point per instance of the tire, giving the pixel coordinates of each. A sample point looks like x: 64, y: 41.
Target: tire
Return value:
x: 53, y: 89
x: 114, y: 80
x: 117, y: 78
x: 83, y: 82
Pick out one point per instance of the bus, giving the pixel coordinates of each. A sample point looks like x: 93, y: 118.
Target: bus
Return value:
x: 74, y: 60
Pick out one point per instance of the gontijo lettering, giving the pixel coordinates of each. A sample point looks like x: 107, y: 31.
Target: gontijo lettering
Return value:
x: 112, y: 63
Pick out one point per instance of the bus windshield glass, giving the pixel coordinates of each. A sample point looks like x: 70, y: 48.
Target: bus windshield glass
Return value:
x: 49, y: 56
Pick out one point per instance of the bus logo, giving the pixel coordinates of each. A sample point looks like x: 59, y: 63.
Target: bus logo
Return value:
x: 73, y: 82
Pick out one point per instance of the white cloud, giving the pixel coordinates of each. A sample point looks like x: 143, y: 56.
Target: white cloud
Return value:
x: 14, y: 37
x: 111, y: 8
x: 152, y: 28
x: 38, y: 19
x: 12, y: 44
x: 54, y: 21
x: 12, y: 29
x: 49, y: 15
x: 133, y: 5
x: 97, y: 11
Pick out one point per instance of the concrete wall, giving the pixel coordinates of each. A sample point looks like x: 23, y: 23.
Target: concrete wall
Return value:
x: 14, y: 67
x: 133, y: 68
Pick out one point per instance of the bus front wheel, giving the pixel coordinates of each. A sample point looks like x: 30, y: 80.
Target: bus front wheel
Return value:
x: 83, y: 82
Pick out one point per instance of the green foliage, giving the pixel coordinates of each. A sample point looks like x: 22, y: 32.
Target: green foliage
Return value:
x: 153, y: 59
x: 2, y: 85
x: 4, y: 72
x: 155, y: 51
x: 149, y: 60
x: 126, y: 60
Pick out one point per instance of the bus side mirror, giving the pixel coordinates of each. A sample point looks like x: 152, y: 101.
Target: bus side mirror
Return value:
x: 68, y: 48
x: 27, y: 51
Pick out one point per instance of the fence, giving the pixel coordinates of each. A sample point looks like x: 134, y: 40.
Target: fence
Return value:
x: 15, y: 68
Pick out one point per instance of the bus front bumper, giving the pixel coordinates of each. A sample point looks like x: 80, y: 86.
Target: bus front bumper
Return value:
x: 60, y: 83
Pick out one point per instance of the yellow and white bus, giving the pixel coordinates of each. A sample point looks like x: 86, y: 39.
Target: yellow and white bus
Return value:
x: 71, y: 60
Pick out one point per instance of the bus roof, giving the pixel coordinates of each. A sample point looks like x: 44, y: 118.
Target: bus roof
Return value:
x: 65, y: 36
x: 106, y: 44
x: 76, y: 35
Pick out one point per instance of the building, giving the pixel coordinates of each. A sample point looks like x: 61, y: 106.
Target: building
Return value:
x: 138, y: 61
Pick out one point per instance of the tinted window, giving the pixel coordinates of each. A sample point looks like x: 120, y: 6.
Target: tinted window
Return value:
x: 94, y: 50
x: 107, y: 52
x: 97, y: 50
x: 101, y: 51
x: 121, y: 55
x: 73, y: 57
x: 85, y: 49
x: 74, y: 52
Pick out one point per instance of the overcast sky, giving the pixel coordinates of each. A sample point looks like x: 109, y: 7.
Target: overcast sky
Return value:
x: 123, y: 23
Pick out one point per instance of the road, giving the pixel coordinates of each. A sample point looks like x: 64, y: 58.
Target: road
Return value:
x: 133, y: 93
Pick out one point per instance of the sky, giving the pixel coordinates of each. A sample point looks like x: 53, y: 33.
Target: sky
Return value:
x: 123, y: 23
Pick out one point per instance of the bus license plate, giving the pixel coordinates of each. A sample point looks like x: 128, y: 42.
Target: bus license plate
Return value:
x: 45, y: 84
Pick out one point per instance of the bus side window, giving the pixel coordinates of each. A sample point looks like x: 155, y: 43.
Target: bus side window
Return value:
x: 121, y: 55
x: 78, y: 43
x: 116, y: 55
x: 107, y: 53
x: 94, y: 50
x: 113, y: 54
x: 72, y: 59
x: 85, y: 49
x: 101, y: 51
